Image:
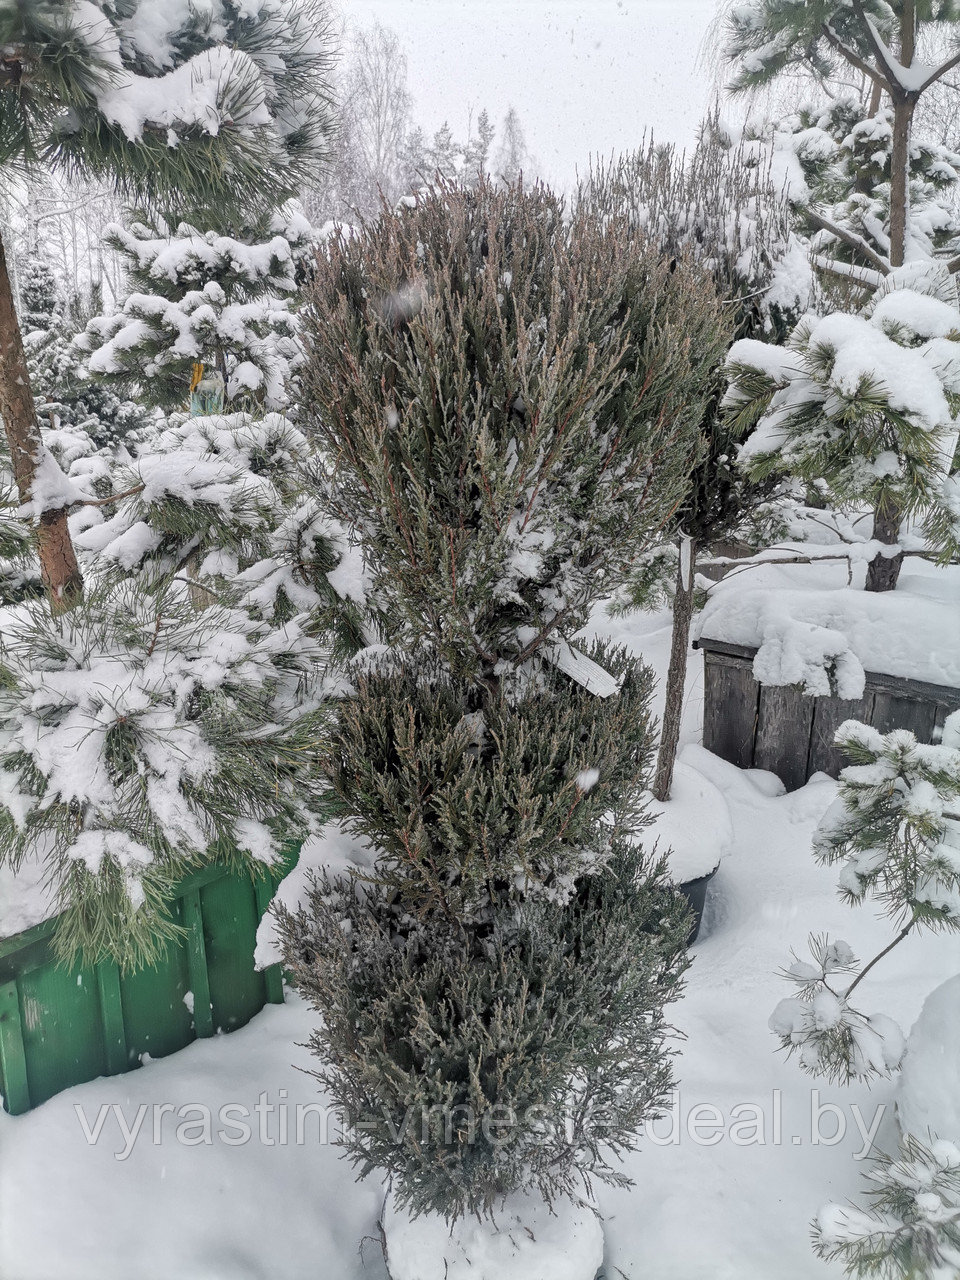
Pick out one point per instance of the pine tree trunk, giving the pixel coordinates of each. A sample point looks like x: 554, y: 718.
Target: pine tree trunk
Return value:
x: 903, y: 108
x: 883, y: 571
x: 676, y: 673
x: 58, y: 562
x: 900, y: 178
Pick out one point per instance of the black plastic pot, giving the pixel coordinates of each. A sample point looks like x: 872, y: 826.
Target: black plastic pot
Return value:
x: 695, y: 892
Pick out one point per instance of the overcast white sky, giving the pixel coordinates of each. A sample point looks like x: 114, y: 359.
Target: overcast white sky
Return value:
x: 587, y: 76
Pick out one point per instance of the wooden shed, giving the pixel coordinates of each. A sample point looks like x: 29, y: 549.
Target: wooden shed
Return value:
x: 783, y: 730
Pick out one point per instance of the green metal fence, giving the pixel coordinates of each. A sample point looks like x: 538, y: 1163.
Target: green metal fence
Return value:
x: 60, y: 1027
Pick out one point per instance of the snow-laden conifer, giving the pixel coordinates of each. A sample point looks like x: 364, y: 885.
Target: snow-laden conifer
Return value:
x: 894, y: 830
x: 223, y: 301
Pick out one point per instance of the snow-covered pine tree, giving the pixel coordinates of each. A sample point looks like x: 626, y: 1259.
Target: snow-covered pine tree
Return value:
x: 882, y: 41
x: 892, y: 828
x: 719, y: 208
x: 220, y: 105
x: 864, y: 404
x: 513, y: 397
x: 214, y: 297
x: 476, y: 154
x: 513, y: 158
x: 842, y: 154
x: 63, y: 396
x: 171, y: 718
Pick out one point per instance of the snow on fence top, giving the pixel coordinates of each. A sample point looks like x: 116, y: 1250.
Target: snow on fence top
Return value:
x: 826, y: 638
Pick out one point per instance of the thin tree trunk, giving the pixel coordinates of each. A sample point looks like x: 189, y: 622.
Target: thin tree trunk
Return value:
x: 883, y: 571
x: 903, y: 108
x: 677, y: 671
x: 58, y: 562
x: 900, y: 178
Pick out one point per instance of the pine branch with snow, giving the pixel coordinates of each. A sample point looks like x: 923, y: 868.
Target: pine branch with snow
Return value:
x: 863, y: 403
x: 204, y: 297
x: 893, y: 826
x: 911, y: 1230
x: 226, y: 105
x: 141, y: 738
x: 895, y: 829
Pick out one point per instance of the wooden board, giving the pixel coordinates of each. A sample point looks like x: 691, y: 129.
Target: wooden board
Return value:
x: 768, y: 728
x: 896, y: 711
x: 731, y: 701
x: 783, y: 734
x: 828, y: 715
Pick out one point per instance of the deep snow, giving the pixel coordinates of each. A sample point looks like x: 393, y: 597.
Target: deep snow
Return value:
x: 726, y: 1207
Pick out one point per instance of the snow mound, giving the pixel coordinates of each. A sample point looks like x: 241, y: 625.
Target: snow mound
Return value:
x: 333, y: 851
x: 928, y: 1102
x: 694, y: 824
x: 526, y: 1242
x: 808, y: 635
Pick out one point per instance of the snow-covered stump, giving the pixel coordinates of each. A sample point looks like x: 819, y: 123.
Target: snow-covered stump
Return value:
x: 525, y: 1240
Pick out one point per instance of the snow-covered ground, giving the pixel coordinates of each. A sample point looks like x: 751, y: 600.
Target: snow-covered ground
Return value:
x: 733, y: 1202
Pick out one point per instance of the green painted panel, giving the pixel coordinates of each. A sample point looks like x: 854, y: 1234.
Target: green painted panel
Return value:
x: 156, y: 1019
x: 13, y: 1062
x: 197, y: 963
x: 230, y: 920
x: 62, y: 1030
x: 111, y: 1016
x: 264, y: 888
x: 59, y: 1028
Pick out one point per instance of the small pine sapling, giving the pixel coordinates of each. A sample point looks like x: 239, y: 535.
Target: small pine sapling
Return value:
x: 890, y: 830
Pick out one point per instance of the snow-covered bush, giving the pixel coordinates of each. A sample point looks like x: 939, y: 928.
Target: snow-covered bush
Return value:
x: 892, y: 830
x: 512, y: 397
x: 203, y: 297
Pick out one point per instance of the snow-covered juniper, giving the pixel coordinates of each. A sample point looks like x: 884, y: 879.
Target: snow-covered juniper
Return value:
x: 512, y: 396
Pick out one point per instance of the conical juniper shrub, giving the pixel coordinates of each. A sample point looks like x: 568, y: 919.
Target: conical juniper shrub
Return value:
x: 509, y: 397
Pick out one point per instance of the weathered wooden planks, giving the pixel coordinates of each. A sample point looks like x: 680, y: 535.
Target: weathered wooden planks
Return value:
x: 779, y: 729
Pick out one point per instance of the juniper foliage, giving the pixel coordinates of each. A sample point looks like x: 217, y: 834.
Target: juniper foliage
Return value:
x: 509, y: 396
